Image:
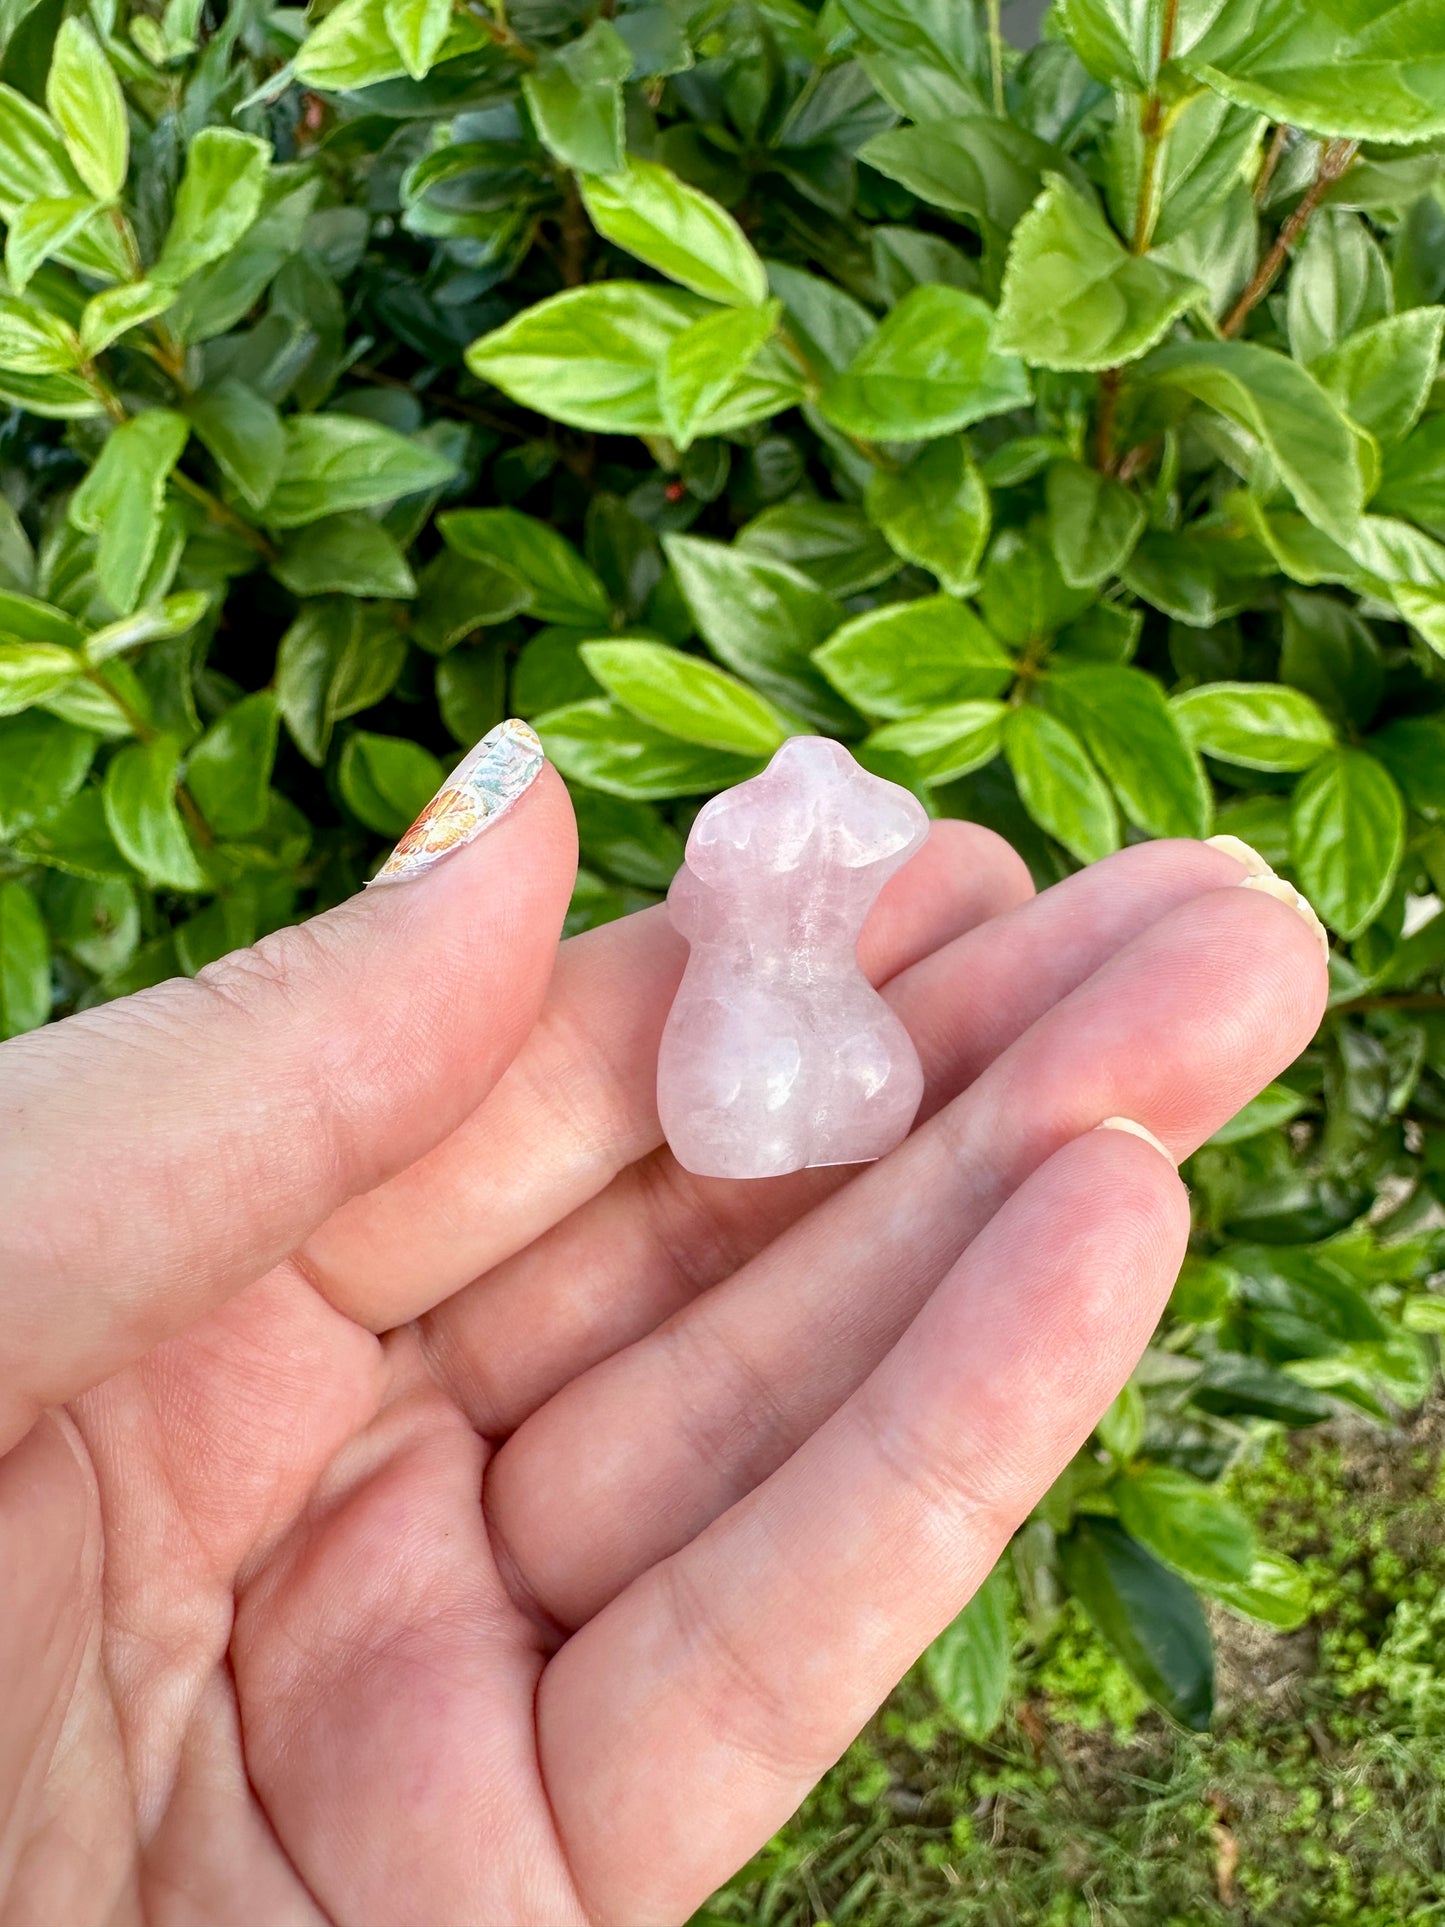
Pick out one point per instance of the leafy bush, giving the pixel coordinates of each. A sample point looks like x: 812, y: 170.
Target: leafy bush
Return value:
x: 1061, y: 429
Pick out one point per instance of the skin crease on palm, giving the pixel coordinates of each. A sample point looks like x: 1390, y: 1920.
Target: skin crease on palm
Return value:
x: 422, y: 1505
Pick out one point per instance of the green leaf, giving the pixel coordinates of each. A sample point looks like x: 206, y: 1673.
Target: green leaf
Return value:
x: 1059, y: 786
x: 337, y: 658
x: 348, y: 554
x: 1274, y: 1591
x: 935, y: 512
x: 969, y: 1664
x: 386, y: 781
x: 229, y: 771
x: 1233, y: 1386
x: 1408, y: 568
x: 1412, y: 748
x: 331, y: 463
x: 629, y: 840
x: 31, y: 670
x: 34, y: 166
x: 96, y: 921
x: 944, y: 744
x: 471, y: 690
x: 139, y: 795
x: 24, y: 962
x: 1312, y: 444
x: 43, y: 762
x: 1347, y: 833
x: 218, y: 199
x: 1412, y: 482
x: 827, y: 324
x: 600, y: 744
x: 40, y: 229
x: 120, y: 500
x: 562, y: 587
x: 764, y: 620
x: 911, y: 656
x: 833, y: 543
x: 417, y: 29
x: 1264, y: 726
x: 1117, y: 40
x: 242, y: 432
x: 173, y: 615
x: 84, y: 97
x: 1131, y: 733
x: 1209, y: 146
x: 988, y: 169
x: 457, y: 596
x: 931, y: 368
x: 1330, y: 652
x: 1339, y: 282
x: 1023, y: 597
x: 686, y: 697
x: 111, y: 313
x: 1366, y: 69
x: 1381, y: 375
x: 1094, y: 523
x: 647, y: 211
x: 1275, y: 1105
x: 703, y: 362
x: 33, y: 342
x: 1074, y: 297
x: 1187, y: 1524
x: 575, y: 96
x: 1147, y: 1616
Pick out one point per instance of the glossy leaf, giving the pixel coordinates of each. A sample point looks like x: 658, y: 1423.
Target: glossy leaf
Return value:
x: 574, y: 93
x: 1146, y: 1614
x: 935, y: 512
x: 1347, y: 833
x: 1133, y: 736
x: 1255, y: 725
x: 331, y: 463
x: 969, y: 1664
x: 386, y: 781
x: 120, y: 500
x: 906, y: 657
x: 229, y: 770
x: 1381, y: 374
x: 84, y: 97
x: 1186, y: 1523
x: 218, y: 199
x: 703, y: 362
x: 560, y: 586
x: 649, y: 212
x: 931, y: 368
x: 1094, y: 523
x: 1061, y: 789
x: 25, y: 988
x: 600, y: 744
x: 944, y: 744
x: 143, y: 816
x: 686, y: 697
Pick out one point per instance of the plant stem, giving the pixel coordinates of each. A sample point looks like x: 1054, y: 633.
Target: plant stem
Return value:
x: 995, y: 55
x: 1274, y: 154
x: 1154, y: 130
x: 1408, y: 1000
x: 227, y: 517
x: 143, y: 732
x: 1334, y: 162
x: 1109, y: 382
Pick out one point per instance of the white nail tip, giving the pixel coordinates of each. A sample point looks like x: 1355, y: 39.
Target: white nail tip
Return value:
x: 1282, y: 892
x: 1242, y: 852
x: 1137, y: 1130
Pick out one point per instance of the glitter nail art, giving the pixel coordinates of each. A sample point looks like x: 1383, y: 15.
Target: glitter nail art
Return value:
x: 487, y: 781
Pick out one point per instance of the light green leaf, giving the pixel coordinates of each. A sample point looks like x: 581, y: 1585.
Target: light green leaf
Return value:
x: 703, y: 363
x: 218, y: 199
x: 353, y: 46
x: 1094, y: 523
x: 84, y: 97
x: 944, y: 744
x: 988, y: 169
x: 931, y: 368
x: 1274, y: 1591
x: 678, y: 230
x: 34, y: 166
x: 332, y: 463
x: 833, y: 543
x: 906, y: 657
x: 1407, y: 567
x: 1274, y: 1107
x: 350, y: 554
x: 1312, y: 444
x: 686, y: 697
x: 173, y: 615
x: 33, y: 342
x: 561, y: 586
x: 1255, y: 725
x: 935, y: 512
x: 1074, y: 297
x: 113, y: 311
x: 1339, y: 281
x: 242, y: 432
x: 1189, y: 1525
x: 1347, y: 834
x: 575, y: 96
x: 598, y: 743
x: 25, y: 988
x: 386, y: 781
x: 1366, y: 69
x: 120, y: 500
x: 43, y: 762
x: 41, y: 229
x: 139, y: 795
x: 417, y: 29
x: 764, y: 620
x: 1060, y: 788
x: 1413, y: 479
x: 1135, y: 738
x: 1381, y: 375
x: 31, y: 670
x: 969, y: 1663
x: 590, y: 357
x: 229, y: 772
x: 1117, y: 40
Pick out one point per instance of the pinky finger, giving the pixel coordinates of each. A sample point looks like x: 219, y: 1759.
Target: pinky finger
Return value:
x: 697, y: 1709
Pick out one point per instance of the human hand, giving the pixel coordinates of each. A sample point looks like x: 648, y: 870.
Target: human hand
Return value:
x: 423, y: 1502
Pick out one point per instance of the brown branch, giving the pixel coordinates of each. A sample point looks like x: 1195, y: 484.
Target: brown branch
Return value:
x: 1409, y: 1000
x: 1274, y: 154
x: 1334, y: 162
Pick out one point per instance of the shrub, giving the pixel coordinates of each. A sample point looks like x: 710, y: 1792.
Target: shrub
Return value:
x: 1061, y: 429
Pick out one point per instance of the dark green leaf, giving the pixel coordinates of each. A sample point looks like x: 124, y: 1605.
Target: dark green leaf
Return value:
x: 1347, y: 830
x: 1134, y: 737
x: 832, y: 543
x: 457, y: 595
x: 229, y: 770
x: 1330, y: 653
x: 471, y: 686
x: 24, y: 962
x: 1094, y: 523
x: 1233, y: 1385
x: 912, y: 656
x: 1060, y: 788
x: 1146, y: 1614
x: 243, y: 432
x: 1413, y: 751
x: 935, y: 512
x: 386, y: 781
x: 334, y: 660
x: 630, y: 840
x: 349, y: 554
x: 931, y: 368
x: 561, y: 586
x: 43, y: 762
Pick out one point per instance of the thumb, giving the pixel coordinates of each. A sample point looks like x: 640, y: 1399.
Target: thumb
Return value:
x: 160, y: 1153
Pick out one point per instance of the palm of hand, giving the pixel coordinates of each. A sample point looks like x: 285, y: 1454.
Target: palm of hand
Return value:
x: 741, y: 1450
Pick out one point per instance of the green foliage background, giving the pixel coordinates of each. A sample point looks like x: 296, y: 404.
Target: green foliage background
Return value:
x: 1062, y: 429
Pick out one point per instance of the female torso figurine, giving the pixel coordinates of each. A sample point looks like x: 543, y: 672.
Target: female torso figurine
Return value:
x: 778, y: 1053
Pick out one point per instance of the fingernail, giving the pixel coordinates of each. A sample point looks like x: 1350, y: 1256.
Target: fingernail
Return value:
x: 1137, y: 1130
x: 1242, y: 852
x: 1273, y: 886
x: 484, y: 784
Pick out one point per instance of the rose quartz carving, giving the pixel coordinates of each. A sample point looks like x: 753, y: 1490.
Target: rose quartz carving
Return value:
x: 778, y: 1053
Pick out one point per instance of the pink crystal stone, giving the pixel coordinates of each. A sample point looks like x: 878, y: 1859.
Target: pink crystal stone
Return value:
x: 778, y: 1053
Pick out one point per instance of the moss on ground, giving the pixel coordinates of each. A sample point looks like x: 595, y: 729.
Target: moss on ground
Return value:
x: 1319, y: 1798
